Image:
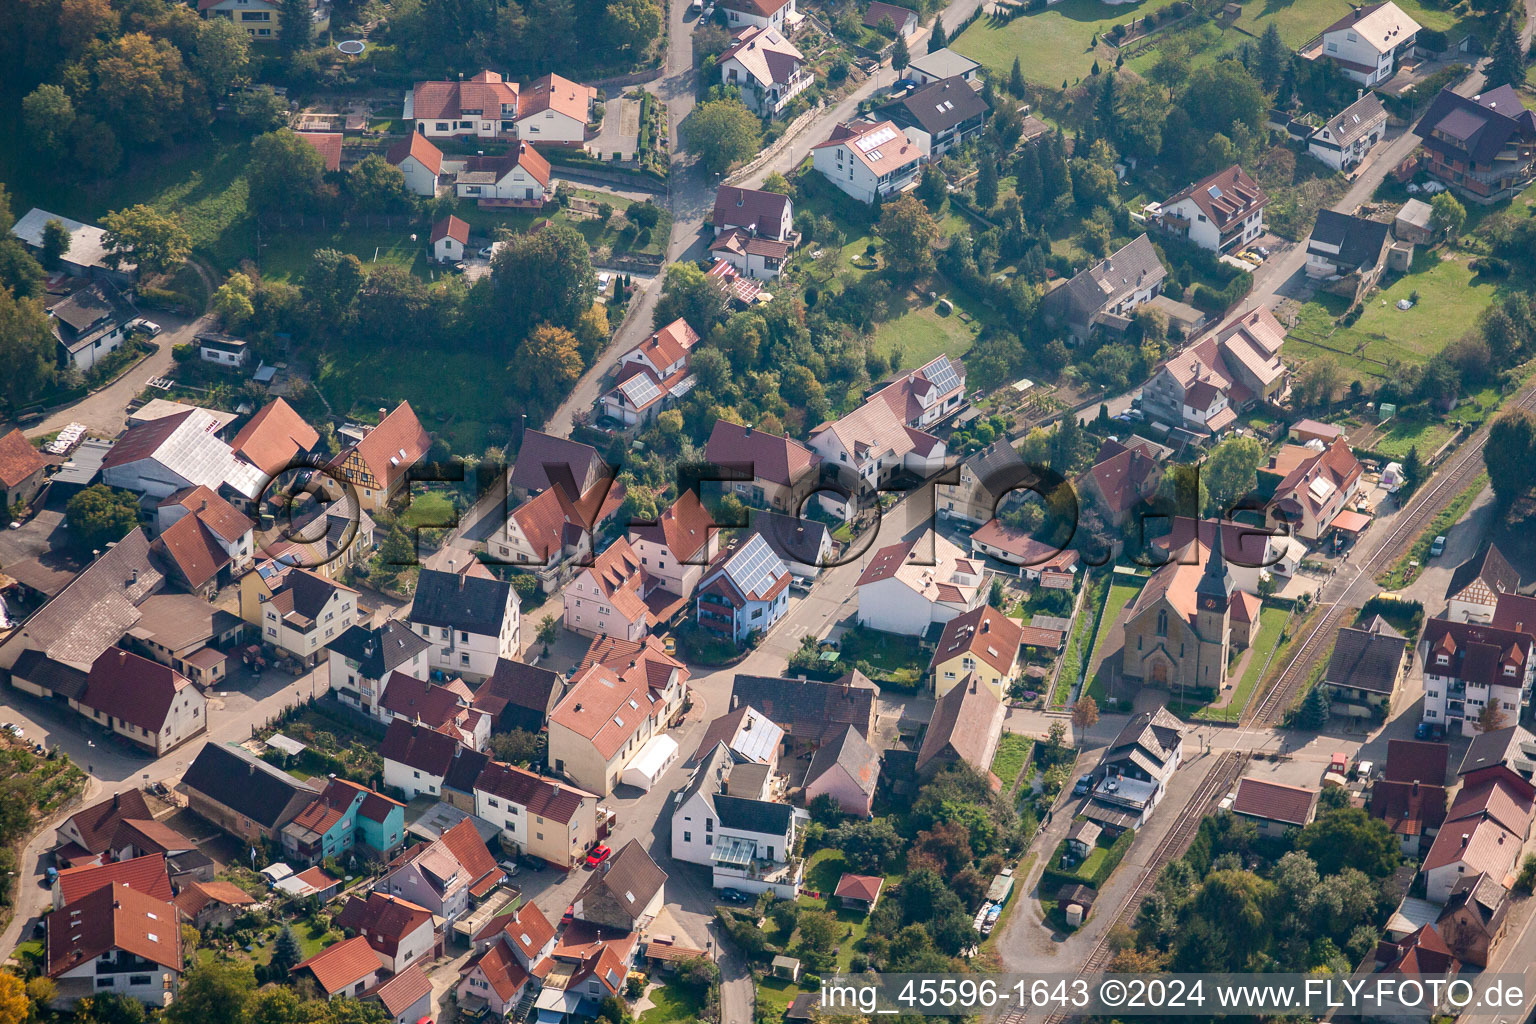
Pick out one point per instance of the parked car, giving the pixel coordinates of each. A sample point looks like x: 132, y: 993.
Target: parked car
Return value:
x: 1437, y: 546
x: 697, y: 7
x: 734, y: 896
x: 800, y: 583
x: 149, y: 327
x: 532, y: 863
x: 598, y: 854
x: 50, y: 875
x: 509, y: 866
x: 488, y: 252
x: 1082, y: 787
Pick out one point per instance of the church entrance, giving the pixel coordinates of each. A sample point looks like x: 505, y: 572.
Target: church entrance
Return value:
x: 1160, y: 673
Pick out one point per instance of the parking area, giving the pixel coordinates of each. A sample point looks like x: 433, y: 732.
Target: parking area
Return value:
x: 619, y: 136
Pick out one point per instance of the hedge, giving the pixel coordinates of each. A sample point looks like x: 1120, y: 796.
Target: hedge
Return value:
x: 1053, y: 878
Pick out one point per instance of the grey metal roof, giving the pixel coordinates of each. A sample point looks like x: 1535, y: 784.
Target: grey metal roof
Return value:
x: 943, y: 63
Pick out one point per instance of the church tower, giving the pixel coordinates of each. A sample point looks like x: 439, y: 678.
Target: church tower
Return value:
x: 1213, y: 617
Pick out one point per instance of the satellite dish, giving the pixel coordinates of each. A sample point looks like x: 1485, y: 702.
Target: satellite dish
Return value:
x: 351, y: 47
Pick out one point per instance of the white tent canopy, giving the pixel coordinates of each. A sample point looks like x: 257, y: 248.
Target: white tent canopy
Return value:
x: 650, y: 763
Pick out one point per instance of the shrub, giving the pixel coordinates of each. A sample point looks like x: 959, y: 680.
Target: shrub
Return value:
x: 182, y: 353
x: 1491, y: 266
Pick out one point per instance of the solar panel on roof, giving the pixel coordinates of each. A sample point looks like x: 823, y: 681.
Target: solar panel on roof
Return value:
x: 874, y: 139
x: 756, y: 567
x: 942, y: 373
x: 641, y: 389
x: 1215, y: 191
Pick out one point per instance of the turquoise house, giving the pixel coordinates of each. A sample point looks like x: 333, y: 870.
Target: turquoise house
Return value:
x: 345, y: 817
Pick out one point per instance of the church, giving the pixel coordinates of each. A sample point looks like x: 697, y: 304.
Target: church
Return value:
x: 1187, y: 620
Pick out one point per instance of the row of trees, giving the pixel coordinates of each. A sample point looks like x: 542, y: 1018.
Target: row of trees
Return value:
x: 526, y: 37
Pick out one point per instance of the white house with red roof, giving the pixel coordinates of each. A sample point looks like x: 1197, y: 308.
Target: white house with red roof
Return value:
x: 449, y: 237
x: 1202, y: 388
x: 873, y: 443
x: 1317, y: 485
x: 149, y: 704
x: 758, y: 259
x: 1223, y: 212
x: 676, y: 549
x: 305, y: 612
x: 909, y: 586
x: 1364, y: 44
x: 554, y: 111
x: 600, y: 725
x: 745, y: 591
x: 1483, y: 833
x: 483, y: 107
x: 652, y: 375
x: 778, y: 14
x: 399, y: 931
x: 1469, y: 666
x: 230, y: 530
x: 766, y: 214
x: 377, y: 464
x: 117, y: 941
x: 612, y: 595
x: 448, y: 709
x: 406, y: 997
x: 867, y: 158
x: 538, y: 816
x: 766, y: 67
x: 518, y: 178
x: 445, y: 874
x: 643, y: 660
x: 346, y: 968
x: 274, y: 438
x: 420, y: 162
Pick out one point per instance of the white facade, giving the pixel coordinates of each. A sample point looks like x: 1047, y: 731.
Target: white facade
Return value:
x: 1365, y: 55
x: 418, y: 177
x: 87, y: 356
x: 838, y: 165
x: 461, y: 652
x: 517, y: 184
x: 186, y: 718
x: 448, y: 250
x: 751, y: 15
x: 412, y: 782
x: 358, y: 690
x: 306, y: 639
x: 119, y: 973
x: 893, y: 607
x: 1204, y: 232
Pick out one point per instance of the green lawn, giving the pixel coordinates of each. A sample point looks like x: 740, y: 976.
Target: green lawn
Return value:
x: 822, y: 871
x: 896, y: 659
x: 1450, y: 299
x: 1426, y: 435
x: 430, y: 509
x: 1051, y: 45
x: 1011, y: 757
x: 922, y: 333
x: 1078, y: 649
x: 675, y: 1004
x: 1271, y: 623
x: 774, y: 996
x: 1120, y: 595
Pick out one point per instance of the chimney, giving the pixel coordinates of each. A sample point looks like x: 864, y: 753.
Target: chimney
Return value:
x: 383, y: 412
x: 1415, y: 787
x: 134, y: 576
x: 746, y: 432
x: 122, y: 656
x: 1464, y: 838
x: 734, y: 701
x: 368, y: 649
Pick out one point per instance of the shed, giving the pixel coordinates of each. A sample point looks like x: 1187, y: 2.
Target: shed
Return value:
x: 786, y: 967
x: 1413, y: 222
x: 1075, y: 902
x: 1001, y: 887
x: 650, y: 763
x: 1083, y: 837
x: 859, y: 892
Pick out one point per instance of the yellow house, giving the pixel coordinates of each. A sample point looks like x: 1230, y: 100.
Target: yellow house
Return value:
x: 256, y: 589
x: 983, y: 642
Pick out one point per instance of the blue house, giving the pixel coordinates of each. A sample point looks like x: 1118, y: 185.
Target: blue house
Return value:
x: 343, y: 817
x: 746, y: 591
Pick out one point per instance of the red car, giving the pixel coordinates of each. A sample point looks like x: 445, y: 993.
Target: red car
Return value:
x: 598, y: 855
x: 570, y: 912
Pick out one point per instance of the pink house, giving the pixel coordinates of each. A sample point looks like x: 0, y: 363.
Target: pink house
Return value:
x: 846, y: 769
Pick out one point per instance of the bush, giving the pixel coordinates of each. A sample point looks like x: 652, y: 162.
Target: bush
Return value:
x: 163, y: 298
x: 1491, y: 266
x: 182, y: 353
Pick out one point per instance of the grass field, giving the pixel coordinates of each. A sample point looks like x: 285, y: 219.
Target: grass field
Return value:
x: 1076, y: 654
x: 821, y: 874
x: 1120, y: 595
x: 1051, y: 45
x: 1450, y: 299
x: 285, y: 255
x: 923, y: 333
x: 1011, y: 757
x: 675, y: 1004
x: 1272, y: 622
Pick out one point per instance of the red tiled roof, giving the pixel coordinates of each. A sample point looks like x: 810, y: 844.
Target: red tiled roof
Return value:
x: 274, y: 436
x: 339, y: 966
x: 420, y: 147
x: 226, y: 521
x: 384, y: 920
x: 775, y: 459
x: 603, y: 708
x: 18, y: 459
x: 544, y: 797
x: 859, y: 887
x: 984, y: 632
x: 134, y: 689
x: 113, y: 917
x: 190, y: 545
x: 316, y: 879
x: 328, y: 145
x: 470, y: 850
x: 98, y: 823
x: 147, y: 875
x: 749, y: 208
x: 501, y: 970
x: 195, y: 896
x: 558, y: 94
x: 394, y: 446
x: 147, y: 833
x: 526, y: 927
x: 486, y: 92
x: 403, y: 991
x: 1273, y: 801
x: 1416, y: 761
x: 684, y: 528
x: 451, y: 227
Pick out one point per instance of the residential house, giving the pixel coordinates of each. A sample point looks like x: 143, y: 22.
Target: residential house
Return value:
x: 322, y: 536
x: 554, y: 111
x: 747, y: 733
x: 223, y: 350
x: 147, y: 837
x: 86, y: 836
x: 1106, y: 294
x: 910, y: 586
x: 805, y: 546
x: 151, y: 705
x: 923, y: 397
x: 362, y: 660
x: 1516, y: 612
x: 1482, y: 146
x: 588, y: 967
x: 493, y: 982
x: 870, y: 448
x: 519, y: 696
x: 1274, y: 807
x: 987, y: 477
x: 1344, y: 140
x: 445, y: 875
x: 420, y: 760
x: 598, y: 727
x: 651, y: 376
x: 728, y: 818
x: 21, y: 470
x: 764, y: 214
x: 406, y: 998
x: 1222, y: 213
x: 472, y: 621
x: 1320, y: 485
x: 114, y: 940
x: 242, y: 794
x: 212, y: 906
x: 1365, y: 668
x: 377, y: 465
x: 626, y: 892
x: 342, y: 818
x: 1413, y: 811
x: 1478, y: 584
x: 420, y: 162
x: 1348, y: 253
x: 867, y: 158
x: 519, y: 177
x: 449, y: 237
x: 145, y: 875
x: 224, y: 527
x: 847, y: 769
x: 1132, y: 776
x: 261, y: 20
x: 643, y: 661
x: 1421, y: 760
x: 808, y: 711
x: 766, y: 67
x: 87, y: 255
x: 758, y: 259
x: 675, y: 550
x: 555, y: 527
x: 444, y: 708
x: 1474, y: 918
x: 194, y: 558
x: 903, y: 20
x: 1181, y: 629
x: 538, y: 816
x: 305, y: 613
x: 1120, y: 479
x: 483, y: 107
x: 939, y: 117
x: 1470, y: 667
x: 966, y: 726
x: 1365, y: 43
x: 615, y: 596
x: 159, y: 458
x: 1484, y: 830
x: 744, y: 591
x: 982, y: 642
x: 88, y: 325
x: 762, y: 469
x: 778, y: 14
x: 1201, y: 389
x: 1423, y: 954
x: 943, y: 63
x: 346, y: 968
x: 399, y: 931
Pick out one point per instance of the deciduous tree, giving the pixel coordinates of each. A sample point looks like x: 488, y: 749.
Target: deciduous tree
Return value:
x: 1085, y: 713
x: 910, y: 235
x: 1447, y: 215
x: 722, y: 132
x: 155, y: 241
x: 284, y: 173
x: 232, y: 302
x: 1231, y: 471
x: 551, y: 357
x: 1510, y: 453
x: 55, y: 244
x: 545, y: 276
x: 48, y: 114
x: 631, y: 25
x: 100, y: 515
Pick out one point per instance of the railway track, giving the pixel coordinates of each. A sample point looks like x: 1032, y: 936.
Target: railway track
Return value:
x: 1459, y: 472
x: 1216, y: 782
